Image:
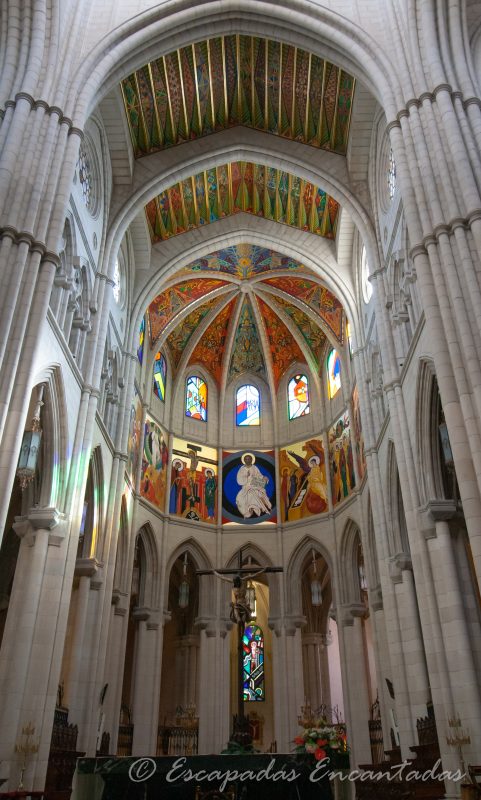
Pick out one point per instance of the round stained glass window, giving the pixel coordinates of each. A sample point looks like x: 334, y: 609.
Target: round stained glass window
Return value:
x: 366, y: 285
x: 86, y: 170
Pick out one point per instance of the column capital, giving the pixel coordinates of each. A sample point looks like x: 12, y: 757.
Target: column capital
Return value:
x: 287, y: 625
x: 437, y: 510
x: 86, y: 567
x: 351, y: 611
x: 49, y: 519
x: 214, y: 626
x: 398, y: 564
x: 141, y: 613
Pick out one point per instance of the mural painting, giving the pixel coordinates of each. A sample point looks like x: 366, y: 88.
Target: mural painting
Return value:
x: 193, y: 481
x: 341, y: 460
x: 155, y: 457
x: 248, y: 487
x: 302, y: 467
x: 135, y: 431
x: 358, y: 434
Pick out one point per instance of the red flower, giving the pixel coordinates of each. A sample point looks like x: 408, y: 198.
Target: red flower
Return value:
x: 321, y: 742
x: 298, y: 740
x: 319, y: 754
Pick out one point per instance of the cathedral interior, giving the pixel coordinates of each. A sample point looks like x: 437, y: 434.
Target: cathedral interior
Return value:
x: 240, y: 250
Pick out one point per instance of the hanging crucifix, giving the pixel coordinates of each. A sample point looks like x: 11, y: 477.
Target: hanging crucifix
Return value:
x: 240, y: 614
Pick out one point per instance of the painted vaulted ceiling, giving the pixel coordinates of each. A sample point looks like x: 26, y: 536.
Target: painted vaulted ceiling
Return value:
x: 238, y: 80
x: 241, y: 186
x: 266, y: 313
x: 235, y: 80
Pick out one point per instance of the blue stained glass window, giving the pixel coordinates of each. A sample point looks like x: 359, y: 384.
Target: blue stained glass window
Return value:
x: 140, y: 348
x: 298, y: 396
x: 160, y: 372
x: 253, y: 646
x: 333, y: 373
x: 196, y: 398
x: 248, y: 406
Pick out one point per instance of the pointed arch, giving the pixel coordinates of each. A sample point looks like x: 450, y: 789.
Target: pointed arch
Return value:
x: 350, y: 589
x: 398, y: 536
x: 201, y: 561
x: 150, y: 588
x: 294, y: 572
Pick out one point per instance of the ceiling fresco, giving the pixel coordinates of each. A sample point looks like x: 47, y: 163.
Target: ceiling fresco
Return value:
x: 312, y: 333
x: 241, y: 186
x: 247, y: 348
x: 209, y: 350
x: 284, y: 349
x: 254, y: 325
x: 178, y: 340
x: 167, y: 304
x: 244, y: 261
x: 238, y: 80
x: 317, y: 297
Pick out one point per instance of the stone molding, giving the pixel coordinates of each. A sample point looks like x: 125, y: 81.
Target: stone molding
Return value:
x: 141, y: 613
x: 49, y: 519
x: 349, y: 612
x: 438, y: 510
x: 376, y: 602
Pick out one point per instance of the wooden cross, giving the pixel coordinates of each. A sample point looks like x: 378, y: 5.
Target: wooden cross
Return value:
x: 240, y: 615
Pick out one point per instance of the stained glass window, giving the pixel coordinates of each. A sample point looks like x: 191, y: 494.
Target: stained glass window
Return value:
x: 253, y: 645
x: 116, y: 289
x: 140, y: 348
x: 160, y: 372
x: 349, y: 337
x: 391, y: 175
x: 298, y: 396
x: 333, y: 373
x: 248, y: 406
x: 196, y: 398
x: 366, y: 284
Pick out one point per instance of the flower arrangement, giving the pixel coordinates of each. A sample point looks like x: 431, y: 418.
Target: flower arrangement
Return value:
x: 322, y: 741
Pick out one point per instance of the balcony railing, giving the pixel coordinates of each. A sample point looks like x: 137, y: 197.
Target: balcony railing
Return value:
x: 176, y: 740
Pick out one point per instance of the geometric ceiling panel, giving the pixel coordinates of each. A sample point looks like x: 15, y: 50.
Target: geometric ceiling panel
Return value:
x: 247, y: 348
x: 167, y: 304
x: 243, y: 261
x: 178, y: 340
x: 209, y: 350
x: 283, y: 347
x: 238, y: 80
x: 312, y: 333
x: 317, y: 297
x: 241, y: 186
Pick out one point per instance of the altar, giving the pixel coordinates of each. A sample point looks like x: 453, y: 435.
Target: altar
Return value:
x: 222, y: 777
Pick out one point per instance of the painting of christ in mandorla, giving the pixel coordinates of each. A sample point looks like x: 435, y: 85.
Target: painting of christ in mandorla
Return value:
x: 252, y: 498
x: 248, y: 487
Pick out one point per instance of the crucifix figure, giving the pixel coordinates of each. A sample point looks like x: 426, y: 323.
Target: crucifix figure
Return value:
x: 240, y: 614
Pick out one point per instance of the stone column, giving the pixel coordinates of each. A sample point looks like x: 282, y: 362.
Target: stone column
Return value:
x: 145, y: 712
x: 316, y: 669
x: 457, y: 691
x: 85, y: 569
x: 186, y: 670
x: 288, y: 679
x: 29, y: 663
x: 213, y: 708
x: 355, y: 681
x: 114, y: 670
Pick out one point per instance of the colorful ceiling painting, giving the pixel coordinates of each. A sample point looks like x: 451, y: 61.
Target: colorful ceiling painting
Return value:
x: 283, y: 347
x: 209, y: 350
x: 178, y: 340
x: 167, y: 304
x: 244, y: 261
x: 247, y: 348
x: 312, y: 333
x: 238, y: 80
x: 317, y: 297
x: 241, y: 186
